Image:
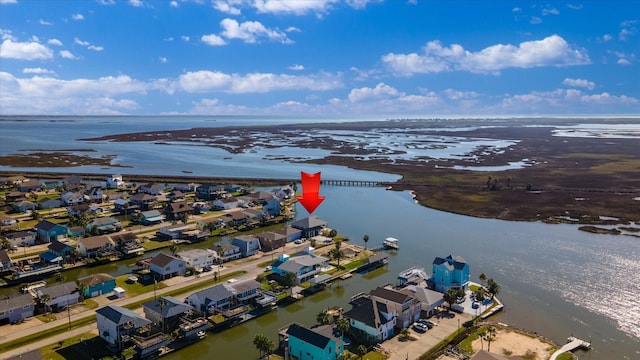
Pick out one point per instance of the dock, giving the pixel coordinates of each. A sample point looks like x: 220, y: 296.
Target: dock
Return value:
x: 572, y: 344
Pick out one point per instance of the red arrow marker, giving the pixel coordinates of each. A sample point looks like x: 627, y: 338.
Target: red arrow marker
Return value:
x: 310, y: 198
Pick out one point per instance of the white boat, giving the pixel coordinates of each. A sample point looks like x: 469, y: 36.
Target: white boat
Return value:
x: 132, y: 278
x: 391, y: 243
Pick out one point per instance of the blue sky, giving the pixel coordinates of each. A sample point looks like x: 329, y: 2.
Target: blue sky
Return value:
x: 319, y: 57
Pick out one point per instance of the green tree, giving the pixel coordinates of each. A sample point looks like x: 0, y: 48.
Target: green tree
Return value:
x: 184, y: 217
x: 483, y: 278
x: 481, y: 335
x: 263, y: 344
x: 323, y: 317
x: 173, y: 248
x: 343, y: 326
x: 450, y: 296
x: 493, y: 287
x: 365, y: 238
x: 361, y: 350
x: 82, y: 289
x: 336, y: 253
x: 489, y: 336
x: 60, y: 277
x: 404, y: 334
x: 35, y: 215
x: 289, y: 279
x: 43, y: 300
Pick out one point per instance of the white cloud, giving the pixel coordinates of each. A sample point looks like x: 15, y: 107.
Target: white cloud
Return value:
x: 54, y: 42
x: 43, y: 22
x: 95, y: 48
x: 168, y: 39
x: 227, y: 7
x: 628, y: 29
x: 295, y: 7
x: 360, y: 4
x: 163, y: 59
x: 607, y: 37
x: 623, y: 61
x: 173, y: 4
x: 80, y: 42
x: 535, y: 20
x: 292, y: 29
x: 66, y: 54
x: 77, y: 17
x: 575, y: 7
x: 550, y: 51
x: 24, y: 50
x: 460, y: 95
x: 212, y: 39
x: 8, y: 1
x: 563, y: 100
x: 624, y: 58
x: 250, y: 31
x: 550, y: 11
x: 206, y: 81
x: 107, y: 2
x: 381, y: 91
x: 296, y: 67
x: 37, y: 71
x: 516, y: 10
x: 185, y: 38
x: 579, y: 83
x: 7, y: 35
x: 136, y: 3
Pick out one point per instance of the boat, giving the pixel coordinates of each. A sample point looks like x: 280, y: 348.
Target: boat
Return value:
x: 390, y: 243
x: 132, y: 278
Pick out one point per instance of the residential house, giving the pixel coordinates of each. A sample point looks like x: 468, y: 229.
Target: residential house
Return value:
x: 270, y: 241
x: 16, y: 309
x: 429, y: 300
x: 210, y: 191
x: 449, y: 273
x: 165, y: 266
x: 57, y: 251
x: 29, y: 185
x: 371, y: 320
x: 97, y: 284
x: 285, y: 192
x: 249, y: 245
x: 70, y: 198
x: 184, y: 187
x: 124, y: 206
x: 177, y: 210
x: 73, y: 182
x: 116, y: 325
x: 48, y: 231
x: 151, y: 217
x: 166, y: 312
x: 235, y: 218
x: 304, y: 267
x: 14, y: 196
x: 15, y: 180
x: 77, y: 231
x: 103, y: 225
x: 60, y: 296
x: 232, y: 188
x: 290, y: 233
x: 5, y: 261
x: 310, y: 226
x: 22, y: 238
x: 209, y: 223
x: 198, y: 258
x: 224, y: 296
x: 77, y: 210
x: 8, y: 221
x: 95, y: 246
x: 176, y: 195
x: 229, y: 252
x: 23, y: 206
x: 49, y: 203
x: 114, y: 181
x: 225, y: 204
x: 181, y: 231
x: 406, y: 306
x: 271, y: 206
x: 52, y: 184
x: 200, y: 207
x: 94, y: 194
x: 315, y: 343
x: 143, y: 201
x: 151, y: 189
x: 127, y: 243
x: 261, y: 196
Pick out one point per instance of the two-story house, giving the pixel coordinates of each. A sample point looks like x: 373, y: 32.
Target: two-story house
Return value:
x: 48, y: 231
x: 225, y: 204
x: 176, y: 210
x: 198, y: 258
x: 406, y: 306
x: 29, y: 185
x: 16, y: 309
x: 104, y: 225
x: 116, y: 325
x: 143, y: 201
x: 164, y: 266
x: 227, y: 252
x: 310, y: 226
x: 312, y: 344
x: 49, y: 203
x: 70, y: 198
x: 271, y: 206
x: 151, y: 217
x: 95, y: 246
x: 23, y: 206
x: 22, y: 238
x: 60, y: 296
x: 270, y: 241
x: 210, y: 191
x: 165, y: 312
x: 94, y: 194
x: 151, y: 189
x: 224, y: 296
x: 114, y: 181
x: 371, y: 320
x: 449, y: 273
x: 249, y: 245
x: 97, y: 284
x: 304, y: 267
x: 5, y: 261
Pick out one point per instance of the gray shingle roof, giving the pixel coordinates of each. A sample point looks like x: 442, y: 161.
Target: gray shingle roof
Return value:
x: 15, y: 302
x: 59, y: 290
x: 173, y: 307
x: 309, y: 223
x: 120, y: 315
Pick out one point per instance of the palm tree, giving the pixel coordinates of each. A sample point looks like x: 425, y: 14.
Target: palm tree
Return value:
x: 404, y: 334
x: 493, y: 287
x: 323, y: 317
x: 450, y: 296
x: 263, y: 344
x: 220, y: 252
x: 82, y: 289
x: 44, y: 299
x: 361, y: 350
x: 365, y: 238
x: 343, y: 326
x: 483, y: 278
x: 490, y: 336
x: 481, y: 336
x: 337, y: 253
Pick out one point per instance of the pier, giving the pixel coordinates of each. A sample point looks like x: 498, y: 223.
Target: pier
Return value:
x: 572, y: 344
x: 358, y: 183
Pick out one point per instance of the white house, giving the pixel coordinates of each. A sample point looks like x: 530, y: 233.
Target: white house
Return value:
x: 249, y: 245
x: 115, y: 181
x: 304, y: 267
x: 60, y: 296
x: 116, y: 324
x: 229, y: 252
x: 165, y: 266
x: 371, y: 320
x: 21, y: 238
x: 72, y: 198
x: 198, y: 258
x: 225, y: 204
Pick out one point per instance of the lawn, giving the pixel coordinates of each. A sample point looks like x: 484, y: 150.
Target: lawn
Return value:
x: 85, y: 346
x: 136, y: 288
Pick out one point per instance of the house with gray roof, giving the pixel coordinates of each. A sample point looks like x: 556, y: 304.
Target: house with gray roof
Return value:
x: 304, y: 267
x: 370, y: 319
x: 310, y: 226
x: 229, y: 252
x: 224, y: 296
x: 97, y: 284
x: 271, y: 240
x: 49, y: 231
x: 249, y: 244
x: 60, y: 296
x: 315, y: 343
x: 116, y: 325
x: 15, y: 309
x: 166, y: 311
x: 23, y: 206
x: 164, y: 266
x: 95, y: 246
x: 406, y: 306
x: 450, y: 272
x: 22, y: 238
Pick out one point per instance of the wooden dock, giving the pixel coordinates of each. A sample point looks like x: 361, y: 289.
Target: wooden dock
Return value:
x: 572, y: 344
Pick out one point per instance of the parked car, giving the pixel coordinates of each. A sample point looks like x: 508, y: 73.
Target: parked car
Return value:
x: 268, y: 268
x: 419, y: 327
x: 299, y: 241
x: 207, y: 269
x: 427, y: 322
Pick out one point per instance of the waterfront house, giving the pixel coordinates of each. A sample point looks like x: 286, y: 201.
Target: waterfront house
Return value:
x: 185, y: 188
x: 249, y: 244
x: 235, y: 218
x: 176, y: 210
x: 57, y: 251
x: 406, y: 306
x: 225, y: 204
x: 210, y: 191
x: 429, y: 300
x: 209, y: 223
x: 151, y: 217
x: 116, y: 325
x: 232, y: 188
x: 77, y: 210
x: 52, y: 184
x: 200, y: 207
x: 315, y: 343
x: 29, y: 185
x: 103, y: 225
x: 143, y: 201
x: 60, y: 296
x: 5, y: 261
x: 229, y: 252
x: 310, y: 226
x: 22, y: 238
x: 127, y: 243
x: 166, y: 312
x: 73, y: 182
x: 70, y: 198
x: 151, y: 189
x: 304, y: 267
x: 225, y: 296
x: 165, y: 266
x: 449, y: 273
x: 49, y: 203
x: 290, y: 233
x: 95, y: 246
x: 23, y: 206
x: 97, y: 284
x: 15, y: 180
x: 77, y: 231
x: 271, y: 206
x: 176, y: 195
x: 94, y: 194
x: 271, y: 240
x: 114, y: 181
x: 29, y: 355
x: 371, y: 320
x: 198, y: 258
x: 173, y: 231
x: 15, y: 309
x: 48, y: 231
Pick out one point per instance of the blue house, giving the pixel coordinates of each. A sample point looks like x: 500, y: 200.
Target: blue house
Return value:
x: 449, y: 273
x: 48, y: 231
x: 49, y: 203
x: 98, y: 284
x: 316, y: 343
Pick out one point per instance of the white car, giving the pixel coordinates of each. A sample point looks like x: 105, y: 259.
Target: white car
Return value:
x: 299, y: 241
